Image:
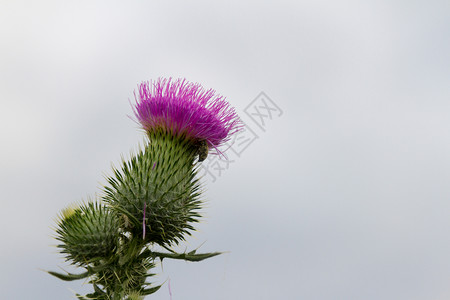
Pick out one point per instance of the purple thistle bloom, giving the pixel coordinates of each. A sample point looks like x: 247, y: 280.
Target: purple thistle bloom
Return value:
x: 185, y: 109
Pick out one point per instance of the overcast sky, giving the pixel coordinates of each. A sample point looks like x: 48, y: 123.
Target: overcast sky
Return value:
x: 342, y: 194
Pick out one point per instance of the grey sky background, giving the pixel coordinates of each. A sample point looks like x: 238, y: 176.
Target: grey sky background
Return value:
x: 345, y: 196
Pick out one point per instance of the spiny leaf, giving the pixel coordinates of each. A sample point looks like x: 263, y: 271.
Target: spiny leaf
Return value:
x: 191, y: 256
x: 69, y: 276
x: 149, y: 291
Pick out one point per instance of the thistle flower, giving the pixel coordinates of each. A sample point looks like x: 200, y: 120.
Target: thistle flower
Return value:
x: 182, y: 121
x: 185, y: 109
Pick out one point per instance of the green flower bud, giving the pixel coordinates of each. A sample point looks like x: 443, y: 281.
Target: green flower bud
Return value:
x: 87, y: 233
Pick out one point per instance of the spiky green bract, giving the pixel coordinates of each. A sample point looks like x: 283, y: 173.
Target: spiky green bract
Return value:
x: 125, y: 274
x: 87, y: 233
x: 159, y: 179
x: 119, y: 276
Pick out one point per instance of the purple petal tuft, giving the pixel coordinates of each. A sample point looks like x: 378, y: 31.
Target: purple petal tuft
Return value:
x: 185, y: 109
